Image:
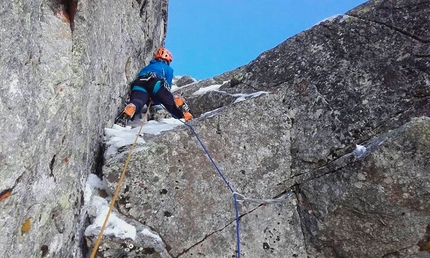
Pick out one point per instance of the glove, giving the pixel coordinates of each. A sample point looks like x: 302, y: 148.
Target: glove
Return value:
x: 179, y: 101
x: 187, y: 116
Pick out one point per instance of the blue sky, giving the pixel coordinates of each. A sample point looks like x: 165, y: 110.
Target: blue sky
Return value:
x: 209, y: 37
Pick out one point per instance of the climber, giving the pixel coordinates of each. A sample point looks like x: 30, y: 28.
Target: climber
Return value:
x: 153, y: 83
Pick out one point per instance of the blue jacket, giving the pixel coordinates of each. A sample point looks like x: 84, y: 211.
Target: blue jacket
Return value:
x: 160, y: 68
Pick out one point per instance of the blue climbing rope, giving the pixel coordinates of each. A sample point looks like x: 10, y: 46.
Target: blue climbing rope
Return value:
x: 222, y: 176
x: 210, y: 157
x: 242, y: 198
x: 225, y: 181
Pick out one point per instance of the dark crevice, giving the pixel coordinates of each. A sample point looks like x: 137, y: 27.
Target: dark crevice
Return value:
x: 51, y: 166
x: 340, y: 161
x: 44, y: 249
x: 234, y: 221
x: 66, y: 9
x: 99, y: 161
x: 302, y: 201
x: 5, y: 194
x: 420, y: 56
x: 406, y: 33
x: 214, y: 232
x: 143, y: 8
x: 329, y: 168
x: 85, y: 250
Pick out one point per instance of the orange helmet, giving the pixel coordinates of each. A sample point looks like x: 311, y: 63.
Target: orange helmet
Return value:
x: 164, y: 54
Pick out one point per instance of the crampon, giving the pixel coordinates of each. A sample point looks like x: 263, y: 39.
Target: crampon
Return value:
x: 125, y: 116
x: 122, y: 119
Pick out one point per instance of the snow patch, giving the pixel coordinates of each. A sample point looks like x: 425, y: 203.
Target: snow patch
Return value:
x: 152, y: 235
x: 115, y: 226
x: 242, y: 97
x: 117, y: 136
x: 203, y: 90
x: 359, y: 150
x: 339, y: 17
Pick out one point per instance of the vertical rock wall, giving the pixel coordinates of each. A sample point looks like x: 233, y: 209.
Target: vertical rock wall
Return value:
x: 64, y: 70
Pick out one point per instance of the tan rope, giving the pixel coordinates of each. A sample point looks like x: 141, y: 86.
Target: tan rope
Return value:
x: 118, y: 187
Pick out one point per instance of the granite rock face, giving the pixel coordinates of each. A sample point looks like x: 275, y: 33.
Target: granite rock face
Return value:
x: 173, y: 188
x: 345, y: 124
x: 378, y: 200
x: 64, y: 69
x: 184, y: 80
